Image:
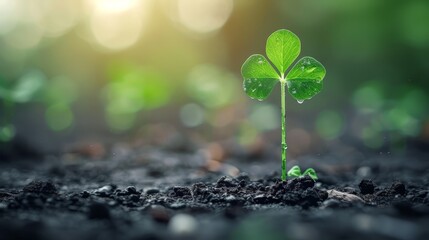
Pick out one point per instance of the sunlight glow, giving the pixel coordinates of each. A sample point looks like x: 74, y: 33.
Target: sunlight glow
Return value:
x: 114, y: 5
x: 117, y: 24
x: 204, y: 16
x: 8, y: 16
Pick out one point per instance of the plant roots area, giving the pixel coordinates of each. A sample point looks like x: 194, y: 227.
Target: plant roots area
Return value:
x: 158, y: 193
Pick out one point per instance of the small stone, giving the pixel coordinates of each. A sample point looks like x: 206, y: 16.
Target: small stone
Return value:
x: 181, y: 191
x: 309, y: 198
x: 183, y: 224
x: 151, y: 191
x: 159, y: 214
x: 343, y: 196
x: 104, y: 191
x: 300, y: 183
x: 225, y: 182
x: 230, y: 198
x: 243, y: 177
x: 135, y: 198
x: 98, y: 211
x: 366, y: 187
x: 262, y: 199
x: 398, y: 188
x: 45, y: 187
x: 85, y: 194
x: 131, y: 190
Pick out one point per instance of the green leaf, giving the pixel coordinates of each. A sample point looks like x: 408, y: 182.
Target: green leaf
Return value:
x: 259, y: 77
x: 305, y: 79
x: 282, y: 48
x: 311, y: 172
x: 27, y: 86
x: 295, y: 171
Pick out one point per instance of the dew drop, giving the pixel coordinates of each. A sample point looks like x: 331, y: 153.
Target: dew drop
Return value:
x: 260, y: 85
x: 260, y: 99
x: 293, y: 91
x: 284, y: 146
x: 253, y: 90
x: 300, y: 101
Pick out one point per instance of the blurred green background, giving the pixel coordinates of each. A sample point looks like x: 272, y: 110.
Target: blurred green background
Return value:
x: 104, y: 70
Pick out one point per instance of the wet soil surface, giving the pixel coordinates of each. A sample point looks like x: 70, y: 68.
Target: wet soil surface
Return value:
x: 159, y: 194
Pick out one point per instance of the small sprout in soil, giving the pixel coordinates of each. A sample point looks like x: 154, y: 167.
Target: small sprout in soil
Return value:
x: 303, y: 81
x: 295, y: 171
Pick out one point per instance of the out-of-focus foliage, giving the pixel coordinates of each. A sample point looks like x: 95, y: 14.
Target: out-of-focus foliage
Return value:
x: 212, y: 86
x: 76, y: 65
x: 132, y: 89
x: 24, y: 90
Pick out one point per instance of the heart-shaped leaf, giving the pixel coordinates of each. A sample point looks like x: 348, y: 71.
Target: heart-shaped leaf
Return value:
x: 305, y: 79
x: 295, y: 171
x: 282, y: 48
x: 311, y: 172
x: 259, y: 77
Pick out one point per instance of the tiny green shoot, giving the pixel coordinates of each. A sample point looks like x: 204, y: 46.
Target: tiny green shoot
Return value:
x: 303, y: 81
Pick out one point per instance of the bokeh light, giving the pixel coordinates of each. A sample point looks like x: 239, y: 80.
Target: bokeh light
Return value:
x: 192, y: 115
x: 133, y: 89
x: 329, y: 124
x: 8, y: 16
x: 7, y: 132
x: 124, y: 65
x: 59, y: 116
x: 265, y: 116
x: 203, y: 16
x: 28, y: 85
x: 117, y: 24
x: 368, y: 98
x: 211, y: 86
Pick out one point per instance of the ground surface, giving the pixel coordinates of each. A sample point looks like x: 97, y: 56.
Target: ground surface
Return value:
x: 165, y: 194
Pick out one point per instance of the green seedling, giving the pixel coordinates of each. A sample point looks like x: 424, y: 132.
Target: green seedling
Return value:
x: 303, y: 81
x: 295, y: 171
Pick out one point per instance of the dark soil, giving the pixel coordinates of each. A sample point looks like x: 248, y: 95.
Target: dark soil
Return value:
x: 158, y: 194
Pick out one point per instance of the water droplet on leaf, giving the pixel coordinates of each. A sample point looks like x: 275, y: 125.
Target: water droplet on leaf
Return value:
x: 300, y: 101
